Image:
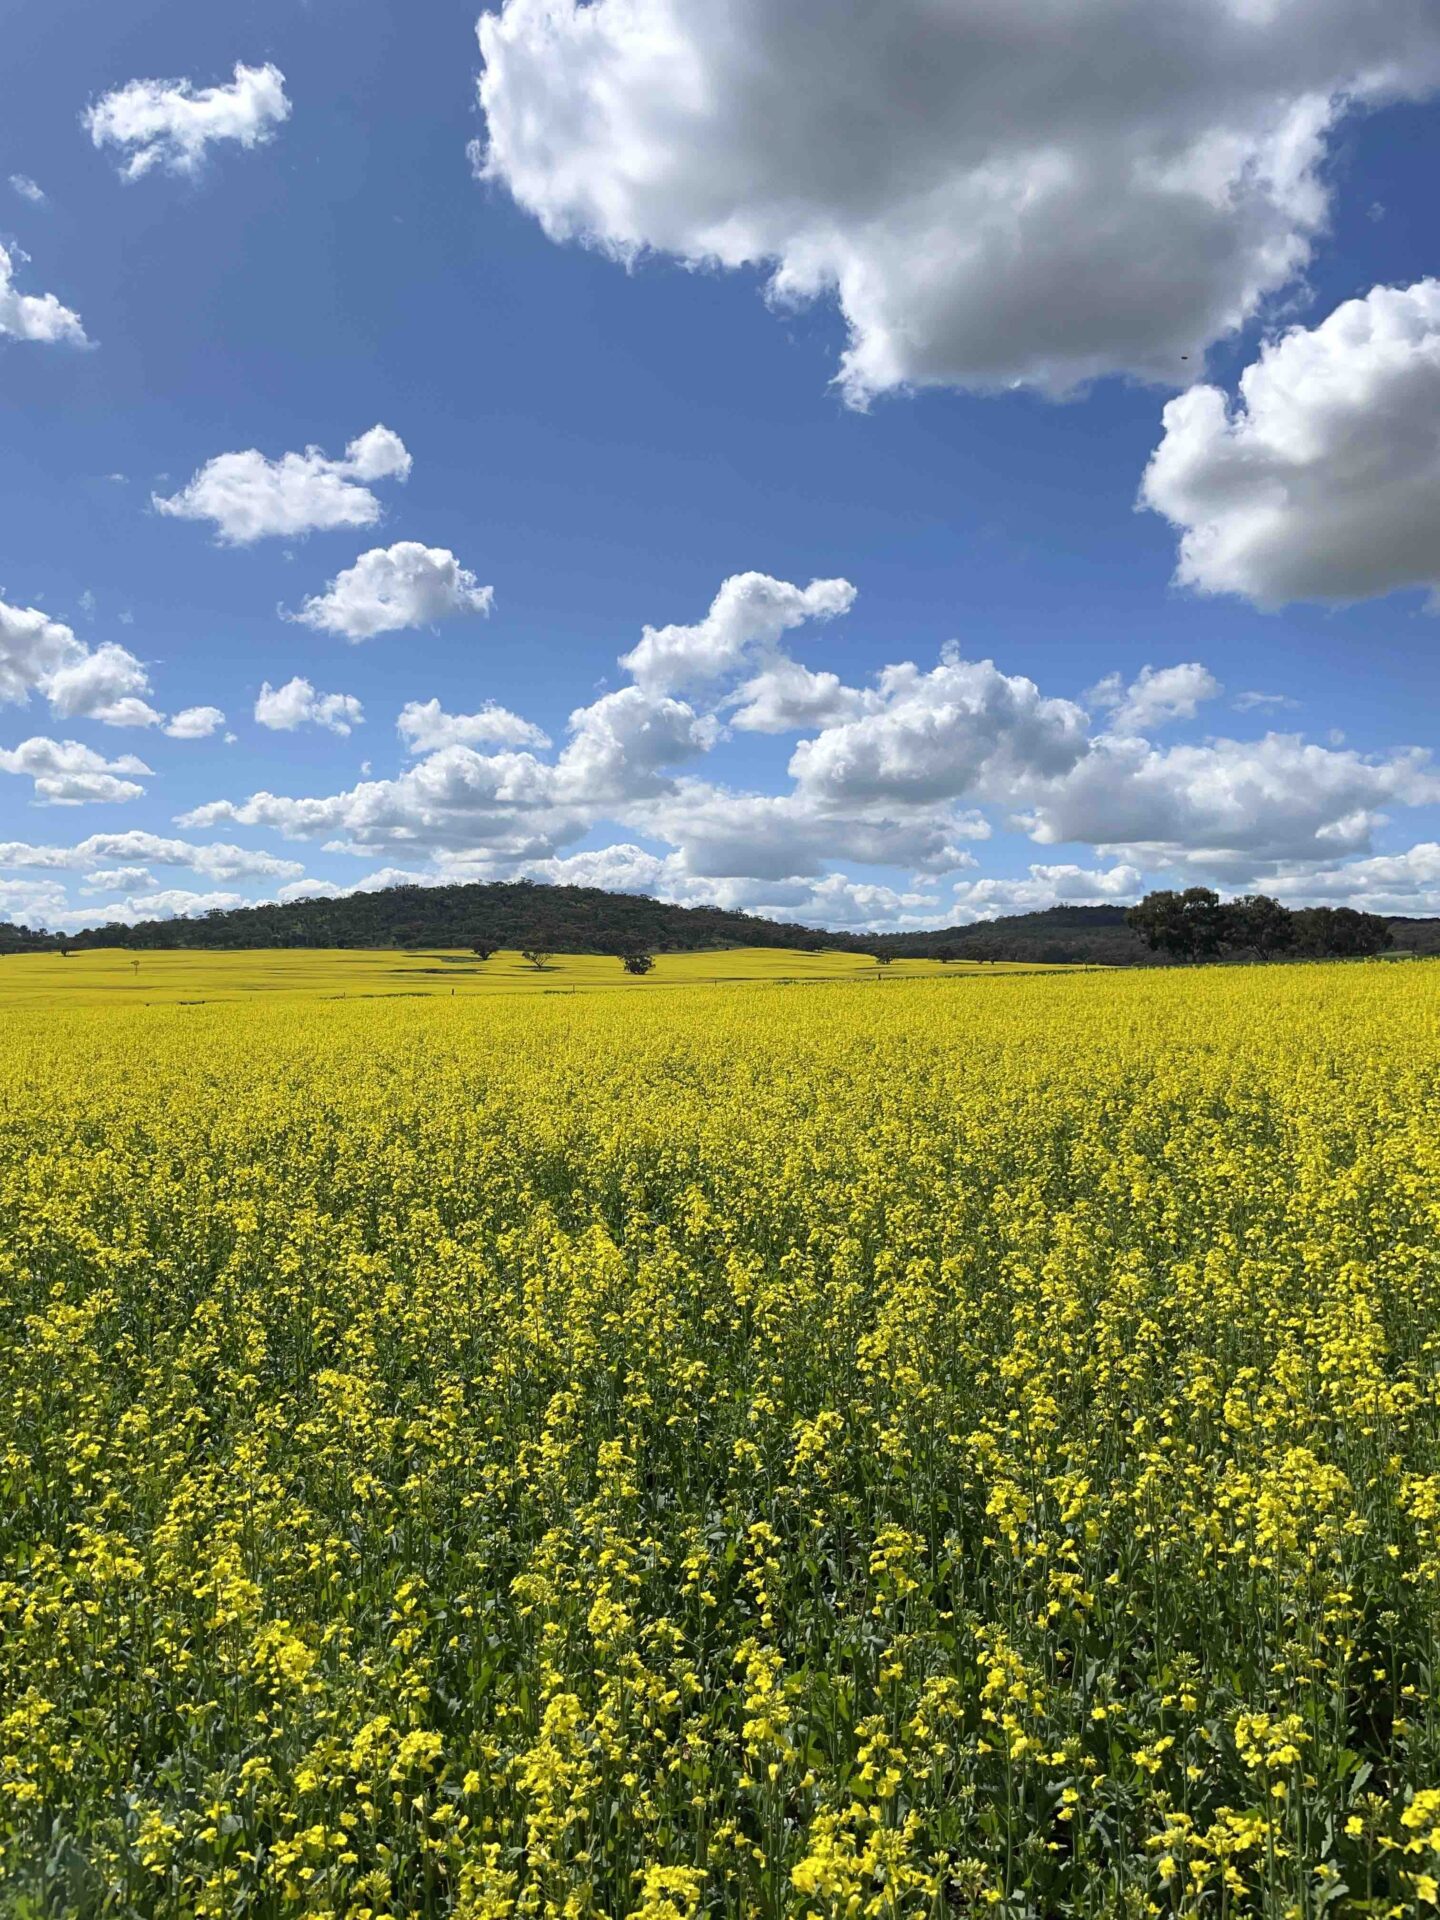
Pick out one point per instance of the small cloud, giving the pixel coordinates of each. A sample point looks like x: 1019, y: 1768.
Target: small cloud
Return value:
x: 194, y: 723
x: 171, y: 123
x: 297, y: 704
x: 27, y: 189
x: 1250, y: 702
x: 390, y: 588
x: 248, y: 497
x: 35, y: 316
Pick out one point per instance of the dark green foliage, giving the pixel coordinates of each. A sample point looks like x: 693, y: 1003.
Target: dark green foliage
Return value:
x: 1183, y: 926
x: 1340, y: 933
x: 1258, y: 925
x: 1194, y: 926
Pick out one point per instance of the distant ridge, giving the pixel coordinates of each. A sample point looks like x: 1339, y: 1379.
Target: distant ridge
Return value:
x: 525, y: 913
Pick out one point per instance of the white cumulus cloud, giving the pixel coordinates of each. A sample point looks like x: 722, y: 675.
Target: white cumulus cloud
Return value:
x: 1156, y: 696
x: 247, y: 497
x: 787, y: 697
x: 965, y: 727
x: 1322, y: 482
x: 105, y: 685
x: 297, y: 704
x: 172, y: 123
x: 1399, y: 883
x: 1228, y: 807
x: 993, y: 194
x: 1046, y: 886
x: 68, y: 774
x: 194, y: 723
x: 746, y: 618
x: 424, y: 726
x: 41, y: 655
x: 118, y: 880
x: 391, y: 588
x: 35, y: 316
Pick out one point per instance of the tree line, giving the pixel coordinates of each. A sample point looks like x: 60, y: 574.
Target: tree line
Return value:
x: 531, y: 916
x: 1197, y: 924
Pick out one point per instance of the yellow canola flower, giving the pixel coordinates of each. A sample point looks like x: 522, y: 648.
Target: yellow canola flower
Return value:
x: 759, y: 1440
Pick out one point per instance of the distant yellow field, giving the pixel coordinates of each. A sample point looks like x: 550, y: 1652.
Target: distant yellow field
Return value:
x: 116, y: 975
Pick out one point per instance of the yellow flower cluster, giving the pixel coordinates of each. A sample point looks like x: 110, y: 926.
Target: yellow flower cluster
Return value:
x: 774, y: 1451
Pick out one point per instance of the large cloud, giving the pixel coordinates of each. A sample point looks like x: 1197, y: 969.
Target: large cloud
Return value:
x: 1046, y: 886
x: 621, y: 746
x: 247, y: 497
x: 105, y: 685
x: 134, y: 847
x: 1228, y: 807
x: 41, y: 655
x: 1323, y: 481
x: 171, y: 123
x: 390, y: 588
x: 1404, y: 883
x: 35, y: 316
x: 995, y: 191
x: 68, y: 774
x: 962, y: 728
x: 166, y: 903
x: 829, y: 900
x: 455, y: 798
x: 31, y: 903
x: 722, y: 834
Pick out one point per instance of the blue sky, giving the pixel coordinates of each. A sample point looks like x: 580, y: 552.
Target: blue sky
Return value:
x: 606, y: 442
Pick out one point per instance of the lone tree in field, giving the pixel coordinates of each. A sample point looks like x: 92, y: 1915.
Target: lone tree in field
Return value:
x: 637, y: 961
x: 536, y: 958
x: 1187, y: 926
x: 480, y: 950
x: 882, y: 959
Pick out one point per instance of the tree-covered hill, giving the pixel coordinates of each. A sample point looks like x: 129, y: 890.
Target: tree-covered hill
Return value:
x: 522, y: 913
x: 511, y: 913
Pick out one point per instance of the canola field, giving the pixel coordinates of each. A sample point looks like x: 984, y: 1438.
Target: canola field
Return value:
x: 969, y: 1447
x: 116, y: 975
